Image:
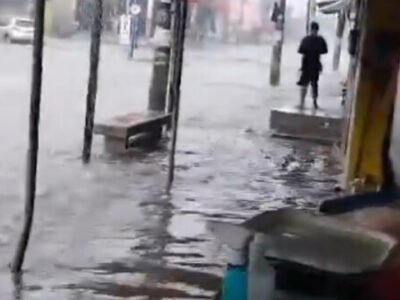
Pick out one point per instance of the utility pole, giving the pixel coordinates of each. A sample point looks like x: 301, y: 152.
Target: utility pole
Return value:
x: 275, y: 72
x: 341, y: 25
x: 162, y: 51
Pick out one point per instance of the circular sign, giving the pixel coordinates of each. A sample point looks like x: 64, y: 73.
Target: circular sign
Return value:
x: 135, y: 9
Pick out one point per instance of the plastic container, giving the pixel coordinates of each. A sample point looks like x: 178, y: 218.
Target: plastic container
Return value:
x: 261, y: 276
x: 235, y: 279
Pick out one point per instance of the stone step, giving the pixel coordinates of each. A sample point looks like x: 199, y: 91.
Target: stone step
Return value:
x: 321, y: 125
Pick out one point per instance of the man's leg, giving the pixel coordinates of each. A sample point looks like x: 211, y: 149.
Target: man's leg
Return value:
x: 131, y: 47
x: 303, y: 83
x: 303, y: 95
x: 314, y: 85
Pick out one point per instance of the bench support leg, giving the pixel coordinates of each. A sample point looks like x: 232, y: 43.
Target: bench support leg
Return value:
x: 115, y: 145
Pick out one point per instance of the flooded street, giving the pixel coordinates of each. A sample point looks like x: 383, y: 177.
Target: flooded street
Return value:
x: 105, y: 231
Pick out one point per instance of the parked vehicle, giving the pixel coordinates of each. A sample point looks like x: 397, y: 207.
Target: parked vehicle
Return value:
x: 16, y: 30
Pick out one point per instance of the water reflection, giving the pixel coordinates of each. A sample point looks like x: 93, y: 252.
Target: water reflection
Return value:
x: 18, y: 286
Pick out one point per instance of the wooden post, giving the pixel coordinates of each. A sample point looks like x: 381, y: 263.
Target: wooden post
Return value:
x: 34, y: 120
x: 182, y: 6
x: 92, y: 82
x: 341, y: 24
x: 275, y: 72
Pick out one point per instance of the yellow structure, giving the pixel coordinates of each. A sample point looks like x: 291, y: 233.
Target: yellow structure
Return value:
x: 375, y: 92
x: 49, y: 19
x: 60, y: 17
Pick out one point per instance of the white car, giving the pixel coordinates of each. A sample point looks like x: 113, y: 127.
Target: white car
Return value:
x: 17, y: 30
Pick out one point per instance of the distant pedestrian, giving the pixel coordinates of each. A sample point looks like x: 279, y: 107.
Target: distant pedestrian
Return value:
x: 276, y: 13
x: 311, y: 48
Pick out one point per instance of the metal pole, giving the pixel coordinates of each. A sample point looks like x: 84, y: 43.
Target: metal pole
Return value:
x: 311, y: 14
x: 159, y: 81
x: 308, y: 16
x: 313, y: 10
x: 149, y: 18
x: 275, y: 72
x: 183, y: 7
x: 162, y: 51
x: 174, y: 57
x: 34, y: 120
x: 92, y: 82
x: 341, y: 24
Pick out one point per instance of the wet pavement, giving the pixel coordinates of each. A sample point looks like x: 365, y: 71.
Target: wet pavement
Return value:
x: 105, y: 231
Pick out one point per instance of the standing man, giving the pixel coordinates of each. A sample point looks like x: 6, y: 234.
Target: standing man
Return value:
x: 311, y: 48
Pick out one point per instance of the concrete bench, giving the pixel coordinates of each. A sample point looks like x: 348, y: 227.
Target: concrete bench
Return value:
x: 314, y: 125
x: 118, y: 130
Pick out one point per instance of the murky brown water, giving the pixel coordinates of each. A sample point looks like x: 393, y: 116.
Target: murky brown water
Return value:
x: 105, y: 231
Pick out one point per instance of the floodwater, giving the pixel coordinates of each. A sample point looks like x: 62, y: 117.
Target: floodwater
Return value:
x: 105, y: 230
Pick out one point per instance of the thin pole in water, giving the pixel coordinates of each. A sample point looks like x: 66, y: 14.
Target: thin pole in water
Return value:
x: 34, y: 120
x: 92, y: 82
x: 173, y: 57
x: 182, y: 16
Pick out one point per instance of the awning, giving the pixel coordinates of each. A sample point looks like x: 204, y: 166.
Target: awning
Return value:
x: 333, y: 6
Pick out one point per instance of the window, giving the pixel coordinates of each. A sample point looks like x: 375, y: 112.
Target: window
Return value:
x: 24, y: 23
x: 4, y: 22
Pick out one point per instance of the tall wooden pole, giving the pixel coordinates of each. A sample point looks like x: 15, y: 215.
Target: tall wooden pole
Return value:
x: 182, y: 5
x: 275, y: 72
x: 93, y: 78
x: 34, y: 120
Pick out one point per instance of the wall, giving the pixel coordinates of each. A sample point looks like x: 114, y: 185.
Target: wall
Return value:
x: 60, y: 17
x: 395, y: 140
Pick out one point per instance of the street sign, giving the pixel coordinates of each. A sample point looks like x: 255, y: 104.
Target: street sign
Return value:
x: 135, y: 9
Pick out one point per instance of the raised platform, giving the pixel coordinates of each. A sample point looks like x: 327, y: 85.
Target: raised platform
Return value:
x: 119, y: 130
x: 307, y: 124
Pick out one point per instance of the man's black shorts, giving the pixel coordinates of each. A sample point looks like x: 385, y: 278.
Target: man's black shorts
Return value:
x: 307, y: 78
